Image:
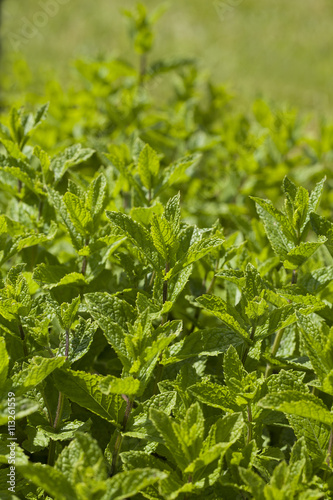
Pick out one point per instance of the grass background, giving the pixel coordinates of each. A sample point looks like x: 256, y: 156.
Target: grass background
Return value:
x: 279, y: 49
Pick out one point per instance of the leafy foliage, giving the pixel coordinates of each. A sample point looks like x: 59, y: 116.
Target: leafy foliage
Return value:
x: 165, y: 334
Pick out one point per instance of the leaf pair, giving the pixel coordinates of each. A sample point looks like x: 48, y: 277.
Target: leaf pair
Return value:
x: 287, y: 230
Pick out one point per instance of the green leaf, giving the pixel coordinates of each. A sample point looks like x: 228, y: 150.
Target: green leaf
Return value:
x: 316, y: 195
x: 196, y: 252
x: 316, y: 337
x: 207, y: 457
x: 323, y: 227
x: 50, y: 479
x: 316, y: 435
x: 298, y: 403
x: 80, y: 340
x: 301, y: 207
x: 233, y: 367
x: 253, y: 282
x: 65, y: 432
x: 289, y: 188
x: 129, y: 483
x: 44, y: 159
x: 279, y: 318
x: 38, y: 118
x: 226, y: 313
x: 316, y: 280
x: 84, y: 389
x: 177, y: 287
x: 23, y: 408
x: 96, y: 196
x: 102, y: 304
x: 70, y: 157
x: 176, y: 170
x: 138, y: 236
x: 256, y: 483
x: 183, y: 440
x: 282, y: 241
x: 68, y: 312
x: 148, y: 166
x: 172, y: 213
x: 62, y: 215
x: 144, y: 215
x: 281, y: 220
x: 207, y: 342
x: 300, y: 254
x: 112, y: 385
x: 163, y: 237
x: 18, y: 172
x: 171, y: 439
x: 35, y: 372
x: 28, y: 240
x: 82, y: 460
x: 217, y: 396
x: 79, y: 214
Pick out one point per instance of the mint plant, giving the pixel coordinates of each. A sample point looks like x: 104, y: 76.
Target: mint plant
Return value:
x: 164, y: 333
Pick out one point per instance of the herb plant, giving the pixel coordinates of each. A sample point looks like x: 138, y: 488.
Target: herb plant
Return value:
x: 166, y: 330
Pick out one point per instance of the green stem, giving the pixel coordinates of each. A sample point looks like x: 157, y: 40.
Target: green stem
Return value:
x: 249, y: 427
x: 160, y: 368
x: 246, y: 352
x: 279, y: 335
x: 276, y: 345
x: 143, y: 68
x: 119, y: 439
x: 151, y: 281
x: 51, y: 455
x: 165, y: 284
x: 212, y: 283
x: 330, y: 449
x: 40, y: 209
x: 60, y: 406
x: 209, y: 290
x: 85, y: 260
x: 22, y: 334
x: 294, y: 277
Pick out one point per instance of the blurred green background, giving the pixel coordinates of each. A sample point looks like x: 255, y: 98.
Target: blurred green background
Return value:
x: 277, y: 49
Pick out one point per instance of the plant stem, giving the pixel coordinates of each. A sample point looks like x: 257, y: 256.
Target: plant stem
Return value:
x: 276, y: 345
x: 119, y: 439
x: 246, y: 352
x: 165, y: 284
x: 22, y: 334
x: 51, y: 455
x: 212, y: 283
x: 330, y: 449
x: 160, y: 368
x: 40, y: 209
x: 279, y: 335
x: 85, y: 260
x: 151, y: 281
x: 60, y: 406
x: 249, y: 427
x: 143, y: 68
